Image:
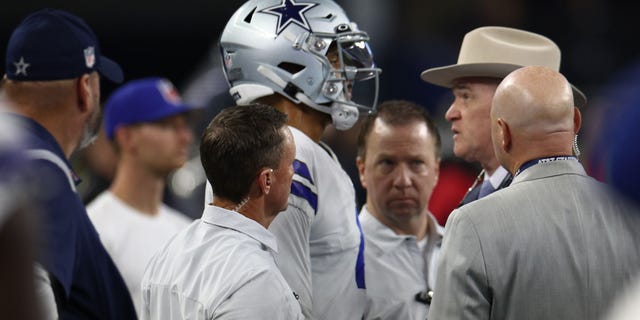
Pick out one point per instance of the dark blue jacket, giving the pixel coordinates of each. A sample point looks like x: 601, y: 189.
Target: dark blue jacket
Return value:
x: 86, y: 282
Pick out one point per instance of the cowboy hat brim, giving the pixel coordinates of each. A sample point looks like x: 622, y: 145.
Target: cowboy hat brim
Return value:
x: 444, y: 76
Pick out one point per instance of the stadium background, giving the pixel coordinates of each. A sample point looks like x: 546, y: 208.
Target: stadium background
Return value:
x: 177, y: 40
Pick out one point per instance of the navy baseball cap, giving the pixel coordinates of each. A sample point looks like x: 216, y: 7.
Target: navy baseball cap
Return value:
x: 144, y: 100
x: 52, y: 44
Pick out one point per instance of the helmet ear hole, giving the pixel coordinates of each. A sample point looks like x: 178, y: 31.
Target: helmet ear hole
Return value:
x: 343, y: 27
x: 291, y: 67
x: 249, y: 17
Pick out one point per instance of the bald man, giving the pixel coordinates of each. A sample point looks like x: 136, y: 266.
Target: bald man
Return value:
x: 556, y: 244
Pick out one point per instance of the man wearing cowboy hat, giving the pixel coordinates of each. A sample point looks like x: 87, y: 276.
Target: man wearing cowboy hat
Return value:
x: 487, y: 55
x: 555, y: 244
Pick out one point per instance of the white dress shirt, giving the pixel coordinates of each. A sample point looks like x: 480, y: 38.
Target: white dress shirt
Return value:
x: 397, y: 269
x: 497, y: 177
x: 222, y: 266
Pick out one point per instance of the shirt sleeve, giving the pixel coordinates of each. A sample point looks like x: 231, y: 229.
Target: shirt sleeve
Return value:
x: 58, y: 210
x: 461, y: 290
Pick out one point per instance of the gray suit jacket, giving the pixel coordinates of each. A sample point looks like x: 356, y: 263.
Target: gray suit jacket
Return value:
x: 556, y: 244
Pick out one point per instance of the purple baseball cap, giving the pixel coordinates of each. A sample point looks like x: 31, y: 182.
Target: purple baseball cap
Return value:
x: 52, y: 44
x: 144, y: 100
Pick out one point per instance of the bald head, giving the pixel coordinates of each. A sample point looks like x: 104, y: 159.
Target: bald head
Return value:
x: 533, y: 115
x: 535, y: 100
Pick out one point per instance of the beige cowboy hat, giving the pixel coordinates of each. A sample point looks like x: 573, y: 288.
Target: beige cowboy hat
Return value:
x: 497, y: 51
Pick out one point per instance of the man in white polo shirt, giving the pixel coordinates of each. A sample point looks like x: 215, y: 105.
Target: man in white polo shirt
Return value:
x: 398, y: 160
x: 223, y: 265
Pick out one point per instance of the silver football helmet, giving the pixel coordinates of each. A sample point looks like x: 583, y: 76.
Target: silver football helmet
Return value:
x: 305, y: 50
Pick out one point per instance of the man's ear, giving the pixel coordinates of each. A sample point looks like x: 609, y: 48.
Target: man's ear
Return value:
x: 577, y: 120
x: 265, y: 180
x: 123, y: 136
x: 85, y: 93
x: 360, y: 165
x: 504, y: 135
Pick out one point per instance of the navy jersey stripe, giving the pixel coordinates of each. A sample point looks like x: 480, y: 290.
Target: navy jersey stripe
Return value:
x: 302, y: 170
x: 360, y: 260
x: 304, y: 192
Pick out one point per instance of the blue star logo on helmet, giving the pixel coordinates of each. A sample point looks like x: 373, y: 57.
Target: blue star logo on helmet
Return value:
x: 290, y: 11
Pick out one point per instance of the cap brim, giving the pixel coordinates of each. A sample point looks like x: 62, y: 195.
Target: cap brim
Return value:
x: 175, y: 110
x: 110, y: 70
x: 110, y: 130
x: 579, y: 98
x: 444, y: 76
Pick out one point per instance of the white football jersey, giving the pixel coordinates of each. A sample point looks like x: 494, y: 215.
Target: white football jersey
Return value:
x: 321, y: 224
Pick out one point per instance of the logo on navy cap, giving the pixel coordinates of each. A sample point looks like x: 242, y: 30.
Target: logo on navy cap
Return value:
x: 89, y: 57
x: 21, y: 67
x: 290, y: 11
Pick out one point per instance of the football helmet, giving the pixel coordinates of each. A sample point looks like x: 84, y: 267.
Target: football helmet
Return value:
x: 306, y: 50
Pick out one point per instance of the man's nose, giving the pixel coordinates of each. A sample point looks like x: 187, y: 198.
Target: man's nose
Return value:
x: 402, y: 178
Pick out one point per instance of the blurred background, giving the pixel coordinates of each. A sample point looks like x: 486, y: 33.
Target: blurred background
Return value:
x: 177, y: 40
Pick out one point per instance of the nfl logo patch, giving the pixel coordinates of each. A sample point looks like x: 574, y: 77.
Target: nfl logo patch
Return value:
x: 89, y: 57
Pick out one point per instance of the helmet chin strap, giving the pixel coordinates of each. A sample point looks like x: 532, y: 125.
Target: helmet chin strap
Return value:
x: 343, y: 116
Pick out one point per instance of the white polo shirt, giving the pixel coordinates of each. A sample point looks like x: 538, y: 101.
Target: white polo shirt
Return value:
x: 397, y: 269
x: 222, y: 266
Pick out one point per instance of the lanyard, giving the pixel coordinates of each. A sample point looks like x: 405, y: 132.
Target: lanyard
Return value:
x: 530, y: 163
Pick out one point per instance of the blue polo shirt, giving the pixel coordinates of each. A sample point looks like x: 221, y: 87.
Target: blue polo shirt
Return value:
x: 91, y: 286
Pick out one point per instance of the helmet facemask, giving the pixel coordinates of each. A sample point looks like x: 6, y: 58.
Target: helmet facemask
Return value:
x: 348, y: 60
